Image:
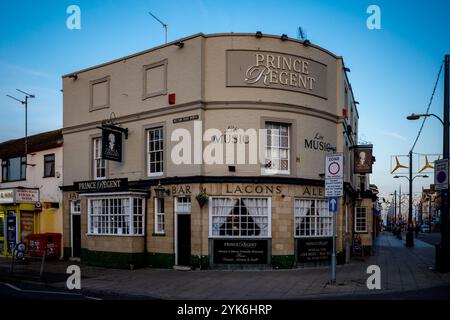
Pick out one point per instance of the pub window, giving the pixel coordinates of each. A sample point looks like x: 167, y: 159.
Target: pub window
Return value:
x: 360, y: 219
x: 277, y: 148
x: 116, y: 216
x: 14, y: 169
x: 49, y: 165
x: 312, y: 218
x: 159, y: 216
x: 155, y: 152
x: 155, y: 79
x: 240, y: 217
x: 99, y: 164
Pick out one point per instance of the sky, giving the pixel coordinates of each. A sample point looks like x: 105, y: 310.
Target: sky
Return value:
x: 393, y: 69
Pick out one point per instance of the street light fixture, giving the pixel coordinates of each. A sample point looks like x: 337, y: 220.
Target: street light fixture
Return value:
x: 414, y: 116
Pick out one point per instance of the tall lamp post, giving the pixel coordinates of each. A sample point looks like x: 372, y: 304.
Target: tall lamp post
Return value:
x: 410, y: 232
x: 442, y: 250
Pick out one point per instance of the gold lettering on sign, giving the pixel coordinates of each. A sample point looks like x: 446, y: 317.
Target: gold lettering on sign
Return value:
x: 250, y: 188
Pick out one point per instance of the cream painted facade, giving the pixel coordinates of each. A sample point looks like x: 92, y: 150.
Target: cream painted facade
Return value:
x: 134, y: 91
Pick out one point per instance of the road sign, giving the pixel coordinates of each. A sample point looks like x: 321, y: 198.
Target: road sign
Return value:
x: 332, y: 204
x: 334, y: 175
x: 441, y: 174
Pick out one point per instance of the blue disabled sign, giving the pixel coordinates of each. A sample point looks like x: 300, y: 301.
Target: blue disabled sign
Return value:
x: 332, y: 204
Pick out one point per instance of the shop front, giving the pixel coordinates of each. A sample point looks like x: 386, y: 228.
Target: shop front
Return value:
x: 19, y: 208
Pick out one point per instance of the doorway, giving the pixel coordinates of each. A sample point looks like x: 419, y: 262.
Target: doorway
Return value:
x: 76, y: 229
x: 183, y: 231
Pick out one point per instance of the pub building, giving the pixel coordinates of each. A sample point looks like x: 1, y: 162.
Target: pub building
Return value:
x: 124, y: 122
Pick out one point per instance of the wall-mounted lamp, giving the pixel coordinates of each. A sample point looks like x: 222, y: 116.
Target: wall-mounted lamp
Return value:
x: 284, y: 37
x: 179, y: 44
x: 73, y: 76
x: 306, y: 43
x: 258, y: 34
x: 160, y: 192
x: 356, y: 102
x: 346, y: 69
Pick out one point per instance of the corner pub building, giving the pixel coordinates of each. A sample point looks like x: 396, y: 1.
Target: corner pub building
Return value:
x: 135, y: 206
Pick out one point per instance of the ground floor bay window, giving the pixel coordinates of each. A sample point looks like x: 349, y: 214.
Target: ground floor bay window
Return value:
x: 116, y: 215
x: 313, y: 230
x: 240, y: 231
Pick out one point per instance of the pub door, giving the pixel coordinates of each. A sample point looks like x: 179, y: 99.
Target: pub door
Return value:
x: 183, y: 254
x: 2, y: 234
x: 76, y: 235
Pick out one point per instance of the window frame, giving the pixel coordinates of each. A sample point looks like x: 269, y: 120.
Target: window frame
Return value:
x: 6, y: 165
x: 95, y: 158
x: 128, y: 215
x: 92, y: 83
x: 366, y: 218
x: 145, y: 68
x: 269, y: 171
x: 53, y: 172
x: 158, y: 213
x: 316, y: 218
x: 269, y: 218
x: 162, y: 151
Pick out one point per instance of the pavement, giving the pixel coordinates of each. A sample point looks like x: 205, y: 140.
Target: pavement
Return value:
x: 406, y: 273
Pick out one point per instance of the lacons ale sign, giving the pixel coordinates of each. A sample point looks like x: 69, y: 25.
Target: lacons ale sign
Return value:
x: 264, y: 69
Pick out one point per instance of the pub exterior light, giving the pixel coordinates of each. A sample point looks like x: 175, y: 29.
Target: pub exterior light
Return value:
x: 284, y: 37
x: 258, y: 34
x: 306, y: 43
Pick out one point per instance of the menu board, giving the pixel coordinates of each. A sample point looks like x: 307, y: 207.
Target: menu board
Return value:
x: 26, y: 224
x: 314, y: 249
x: 235, y: 251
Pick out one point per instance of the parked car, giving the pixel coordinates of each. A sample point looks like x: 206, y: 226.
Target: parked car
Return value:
x: 425, y: 228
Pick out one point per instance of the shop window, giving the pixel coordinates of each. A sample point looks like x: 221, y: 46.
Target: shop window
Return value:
x: 277, y: 148
x: 159, y: 216
x: 155, y: 79
x: 360, y: 219
x: 183, y: 204
x: 49, y: 165
x: 155, y: 151
x: 99, y: 164
x: 240, y: 217
x: 14, y: 169
x: 100, y: 90
x: 116, y: 216
x: 312, y: 218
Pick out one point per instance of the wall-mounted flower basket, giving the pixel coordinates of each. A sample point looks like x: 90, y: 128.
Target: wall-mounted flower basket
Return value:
x: 202, y: 198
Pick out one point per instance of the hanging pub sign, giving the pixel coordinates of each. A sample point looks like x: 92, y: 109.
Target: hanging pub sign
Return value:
x: 363, y: 159
x: 111, y: 143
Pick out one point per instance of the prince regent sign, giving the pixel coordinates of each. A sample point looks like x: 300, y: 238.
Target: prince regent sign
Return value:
x: 101, y: 185
x: 274, y: 70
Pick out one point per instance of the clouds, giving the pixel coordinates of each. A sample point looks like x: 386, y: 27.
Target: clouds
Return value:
x: 394, y: 135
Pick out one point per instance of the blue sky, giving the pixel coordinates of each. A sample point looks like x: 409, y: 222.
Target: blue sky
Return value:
x: 393, y: 70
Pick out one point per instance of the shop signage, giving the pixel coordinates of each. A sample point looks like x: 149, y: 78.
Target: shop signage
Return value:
x: 26, y: 195
x: 317, y: 143
x: 26, y: 224
x: 334, y: 175
x: 251, y: 188
x: 363, y: 159
x: 7, y: 196
x: 235, y: 251
x: 184, y: 119
x: 102, y: 185
x: 314, y: 249
x: 264, y: 69
x: 441, y: 174
x: 111, y: 144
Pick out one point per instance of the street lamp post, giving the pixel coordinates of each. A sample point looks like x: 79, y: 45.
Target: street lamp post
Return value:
x: 442, y: 250
x: 410, y: 231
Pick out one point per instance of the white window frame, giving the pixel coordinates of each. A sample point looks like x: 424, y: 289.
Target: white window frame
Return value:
x: 269, y: 171
x: 269, y: 219
x: 186, y: 203
x: 129, y: 214
x: 315, y: 217
x: 157, y: 215
x: 159, y: 173
x: 97, y: 156
x: 73, y: 212
x: 365, y: 219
